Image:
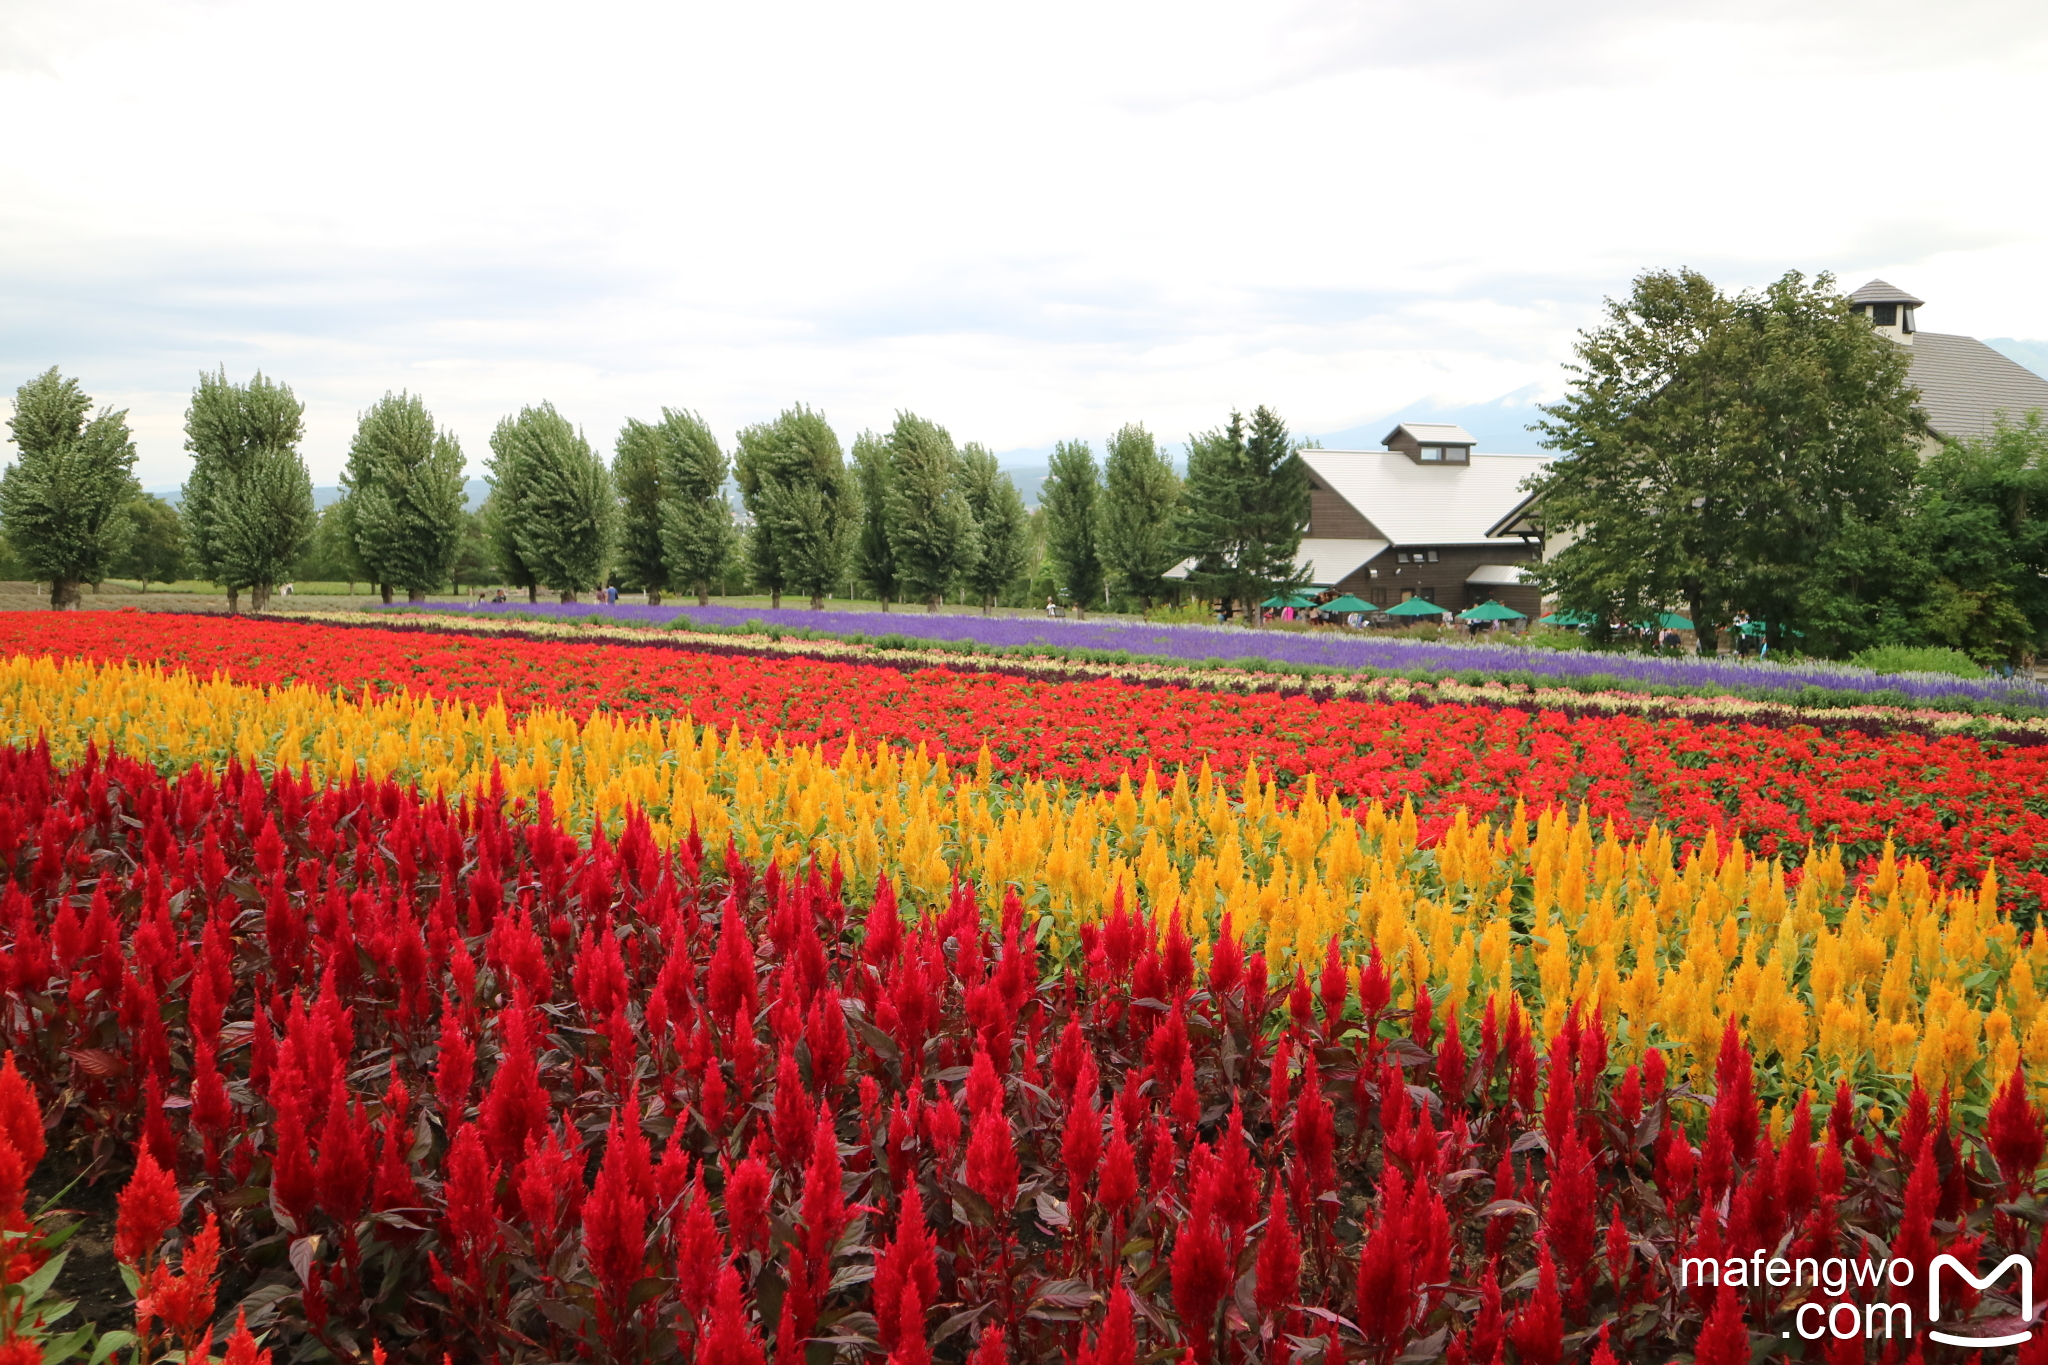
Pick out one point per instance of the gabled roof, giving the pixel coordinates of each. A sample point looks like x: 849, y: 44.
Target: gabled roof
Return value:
x: 1418, y: 504
x: 1329, y: 562
x: 1432, y: 434
x: 1964, y: 384
x: 1877, y: 291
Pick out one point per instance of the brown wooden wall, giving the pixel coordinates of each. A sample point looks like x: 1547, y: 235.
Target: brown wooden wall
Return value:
x: 1384, y: 580
x: 1332, y: 518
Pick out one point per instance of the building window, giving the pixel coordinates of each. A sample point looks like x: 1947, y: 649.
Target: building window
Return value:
x: 1906, y: 321
x: 1457, y: 454
x: 1432, y: 556
x: 1432, y: 454
x: 1885, y: 314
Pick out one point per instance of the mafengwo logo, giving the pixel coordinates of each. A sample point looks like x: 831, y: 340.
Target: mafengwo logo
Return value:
x: 1839, y: 1278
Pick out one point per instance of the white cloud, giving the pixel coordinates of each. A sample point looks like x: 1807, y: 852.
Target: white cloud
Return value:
x: 1027, y: 223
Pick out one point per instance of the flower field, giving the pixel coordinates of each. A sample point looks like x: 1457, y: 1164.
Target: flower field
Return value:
x: 734, y: 1010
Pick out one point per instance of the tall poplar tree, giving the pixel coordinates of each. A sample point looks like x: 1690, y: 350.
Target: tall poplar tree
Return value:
x: 793, y: 478
x: 64, y: 502
x: 931, y: 528
x: 248, y: 506
x: 554, y: 506
x: 1139, y: 496
x: 874, y: 559
x: 1004, y: 536
x: 403, y: 485
x: 1243, y: 511
x: 1071, y: 497
x: 697, y: 532
x: 636, y: 474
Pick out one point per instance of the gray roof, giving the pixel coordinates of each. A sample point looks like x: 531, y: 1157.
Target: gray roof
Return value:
x: 1877, y: 291
x: 1964, y: 384
x: 1433, y: 434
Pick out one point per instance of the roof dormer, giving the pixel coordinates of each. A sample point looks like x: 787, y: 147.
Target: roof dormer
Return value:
x: 1432, y: 443
x: 1889, y: 308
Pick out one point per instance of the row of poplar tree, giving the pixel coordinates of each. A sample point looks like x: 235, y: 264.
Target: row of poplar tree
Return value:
x: 910, y: 516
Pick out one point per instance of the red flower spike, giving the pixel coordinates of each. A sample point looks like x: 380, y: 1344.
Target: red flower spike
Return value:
x: 1119, y: 1171
x: 2014, y: 1134
x: 992, y: 1162
x: 21, y: 1118
x: 1537, y: 1332
x: 1117, y: 1342
x: 242, y: 1348
x: 731, y: 1339
x: 1279, y: 1262
x: 148, y: 1208
x: 990, y: 1349
x: 1201, y: 1267
x: 1724, y: 1340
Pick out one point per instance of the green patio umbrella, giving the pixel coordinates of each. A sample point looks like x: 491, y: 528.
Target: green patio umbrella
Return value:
x: 1492, y: 611
x: 1566, y: 618
x: 1416, y: 606
x: 1295, y: 600
x: 1669, y: 620
x: 1341, y: 606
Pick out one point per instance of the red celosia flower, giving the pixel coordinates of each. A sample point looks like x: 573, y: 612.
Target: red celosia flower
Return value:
x: 2013, y: 1132
x: 1081, y: 1148
x: 1279, y: 1263
x: 21, y: 1118
x: 148, y: 1208
x: 1201, y: 1268
x: 1116, y: 1343
x: 1571, y: 1210
x: 746, y: 1204
x: 1537, y: 1332
x: 1315, y: 1131
x: 1386, y: 1270
x: 242, y: 1349
x: 731, y: 1339
x: 1724, y: 1340
x: 990, y: 1349
x: 1119, y: 1171
x: 824, y: 1205
x: 615, y: 1226
x: 992, y: 1162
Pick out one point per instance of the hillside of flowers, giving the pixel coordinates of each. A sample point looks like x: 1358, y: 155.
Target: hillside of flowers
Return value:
x: 808, y: 1018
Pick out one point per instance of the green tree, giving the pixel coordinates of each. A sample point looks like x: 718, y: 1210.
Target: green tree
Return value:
x: 403, y: 485
x: 1244, y: 508
x: 698, y: 538
x: 1978, y: 530
x: 793, y: 478
x: 636, y: 473
x: 932, y: 534
x: 330, y: 555
x: 64, y: 500
x: 1004, y: 546
x: 248, y: 506
x: 1734, y: 454
x: 1072, y: 497
x: 1140, y: 493
x: 473, y: 565
x: 556, y: 512
x: 874, y: 560
x: 156, y: 547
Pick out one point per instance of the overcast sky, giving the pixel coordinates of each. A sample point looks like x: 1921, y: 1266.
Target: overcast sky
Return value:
x: 1026, y: 222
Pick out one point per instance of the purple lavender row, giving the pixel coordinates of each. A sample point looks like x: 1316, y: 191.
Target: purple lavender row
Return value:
x: 1327, y: 649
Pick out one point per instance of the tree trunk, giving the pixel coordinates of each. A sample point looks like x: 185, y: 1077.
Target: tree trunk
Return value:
x: 703, y: 594
x: 415, y: 595
x: 234, y: 601
x: 259, y: 596
x: 817, y: 601
x: 533, y: 592
x: 933, y: 603
x: 988, y: 605
x: 385, y: 589
x: 775, y: 599
x: 885, y: 601
x: 63, y: 594
x: 1704, y: 630
x: 568, y: 594
x: 654, y: 597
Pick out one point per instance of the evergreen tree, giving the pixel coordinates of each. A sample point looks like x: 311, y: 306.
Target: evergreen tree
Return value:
x: 248, y: 506
x: 1072, y: 497
x: 998, y: 509
x: 698, y: 537
x: 555, y: 509
x: 1243, y: 510
x: 636, y: 473
x: 874, y: 561
x: 932, y: 534
x: 156, y: 548
x: 1140, y: 494
x: 793, y: 477
x: 64, y: 500
x: 330, y: 555
x: 403, y: 486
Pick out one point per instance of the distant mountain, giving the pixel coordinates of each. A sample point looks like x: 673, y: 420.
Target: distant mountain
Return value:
x: 1500, y: 425
x: 2032, y: 354
x: 475, y: 490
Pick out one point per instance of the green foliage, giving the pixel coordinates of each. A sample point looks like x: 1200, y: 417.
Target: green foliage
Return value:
x: 1140, y: 493
x: 874, y: 559
x: 698, y: 539
x: 1244, y: 508
x: 473, y: 566
x: 330, y: 555
x: 636, y: 474
x: 403, y: 487
x: 555, y: 522
x: 1917, y: 659
x: 1732, y: 454
x: 1071, y: 497
x: 64, y: 500
x: 156, y: 544
x: 1004, y: 542
x: 931, y: 527
x: 248, y: 506
x: 793, y: 479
